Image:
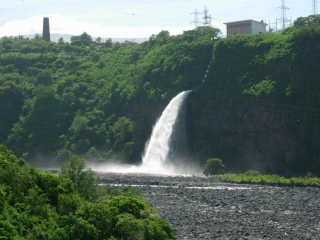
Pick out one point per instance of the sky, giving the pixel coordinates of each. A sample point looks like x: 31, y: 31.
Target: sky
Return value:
x: 134, y: 18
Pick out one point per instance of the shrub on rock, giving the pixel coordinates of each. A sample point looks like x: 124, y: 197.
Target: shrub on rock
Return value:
x: 214, y: 166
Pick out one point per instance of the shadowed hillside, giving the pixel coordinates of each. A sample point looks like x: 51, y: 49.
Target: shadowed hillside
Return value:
x: 260, y: 107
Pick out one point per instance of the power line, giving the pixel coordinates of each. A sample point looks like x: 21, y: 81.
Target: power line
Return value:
x: 284, y: 9
x: 207, y: 18
x: 196, y: 21
x: 273, y: 26
x: 315, y: 7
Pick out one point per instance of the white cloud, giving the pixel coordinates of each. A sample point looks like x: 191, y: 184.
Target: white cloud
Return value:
x: 19, y: 27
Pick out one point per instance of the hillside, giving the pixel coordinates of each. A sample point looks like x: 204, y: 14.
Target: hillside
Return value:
x: 258, y: 108
x: 90, y: 97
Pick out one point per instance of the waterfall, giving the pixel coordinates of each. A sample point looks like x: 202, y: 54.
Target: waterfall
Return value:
x: 158, y: 148
x: 159, y: 151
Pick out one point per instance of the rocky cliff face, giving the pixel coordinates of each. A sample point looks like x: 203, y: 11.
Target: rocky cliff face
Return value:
x: 252, y: 134
x: 259, y: 108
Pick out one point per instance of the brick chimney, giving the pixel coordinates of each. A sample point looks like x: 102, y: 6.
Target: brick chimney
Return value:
x: 46, y: 29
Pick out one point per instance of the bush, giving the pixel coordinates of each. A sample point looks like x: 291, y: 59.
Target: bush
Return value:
x: 41, y: 205
x: 84, y: 180
x: 255, y: 178
x: 214, y: 166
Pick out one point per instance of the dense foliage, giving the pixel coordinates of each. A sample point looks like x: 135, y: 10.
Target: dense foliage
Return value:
x: 259, y: 108
x: 39, y: 205
x: 92, y: 97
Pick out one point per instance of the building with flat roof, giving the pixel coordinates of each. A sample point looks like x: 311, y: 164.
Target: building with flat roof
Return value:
x: 250, y: 27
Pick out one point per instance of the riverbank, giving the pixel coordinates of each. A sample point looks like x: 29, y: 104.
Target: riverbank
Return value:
x: 201, y: 209
x: 273, y: 180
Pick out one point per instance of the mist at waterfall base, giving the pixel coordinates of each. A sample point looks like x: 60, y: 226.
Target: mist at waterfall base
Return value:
x: 160, y: 156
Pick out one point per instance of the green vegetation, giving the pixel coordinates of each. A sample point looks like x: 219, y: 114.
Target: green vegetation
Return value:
x: 214, y: 166
x: 90, y: 96
x: 40, y: 205
x: 258, y: 109
x: 256, y: 178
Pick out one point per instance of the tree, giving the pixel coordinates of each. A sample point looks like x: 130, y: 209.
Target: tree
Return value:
x: 313, y: 20
x: 83, y: 39
x: 214, y: 166
x: 42, y: 125
x: 84, y: 180
x: 11, y: 102
x: 108, y: 43
x: 122, y: 131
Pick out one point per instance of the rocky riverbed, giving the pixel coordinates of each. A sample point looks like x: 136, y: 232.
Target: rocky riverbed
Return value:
x: 200, y: 210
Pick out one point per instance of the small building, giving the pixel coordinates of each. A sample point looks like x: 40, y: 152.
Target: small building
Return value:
x: 250, y: 27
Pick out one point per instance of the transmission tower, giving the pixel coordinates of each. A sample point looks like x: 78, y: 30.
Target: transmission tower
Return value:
x: 315, y: 7
x: 207, y: 18
x: 284, y: 9
x: 196, y: 21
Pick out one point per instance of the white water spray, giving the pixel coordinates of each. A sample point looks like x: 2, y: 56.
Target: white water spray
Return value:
x: 158, y: 148
x: 156, y: 155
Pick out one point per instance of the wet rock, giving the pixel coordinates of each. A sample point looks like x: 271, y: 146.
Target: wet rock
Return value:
x: 229, y: 211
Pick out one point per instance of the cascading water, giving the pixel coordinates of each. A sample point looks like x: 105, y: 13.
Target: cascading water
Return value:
x: 158, y: 148
x: 156, y: 155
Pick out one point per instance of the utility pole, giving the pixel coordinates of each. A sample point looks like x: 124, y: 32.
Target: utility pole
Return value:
x: 315, y: 7
x: 284, y: 10
x: 207, y: 18
x: 196, y: 15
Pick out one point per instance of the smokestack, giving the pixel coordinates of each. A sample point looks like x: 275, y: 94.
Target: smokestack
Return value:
x: 46, y: 29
